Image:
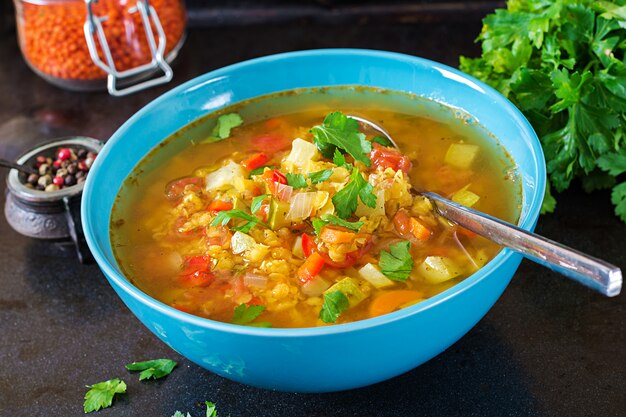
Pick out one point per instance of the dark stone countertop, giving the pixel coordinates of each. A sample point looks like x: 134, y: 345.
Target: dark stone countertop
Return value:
x: 549, y: 347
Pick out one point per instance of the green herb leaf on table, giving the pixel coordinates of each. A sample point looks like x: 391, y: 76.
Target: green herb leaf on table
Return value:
x: 561, y: 63
x: 223, y: 217
x: 346, y: 199
x: 320, y: 176
x: 340, y: 131
x: 296, y: 180
x: 397, y: 264
x: 335, y: 303
x: 244, y: 315
x: 157, y: 368
x: 257, y: 202
x: 211, y: 409
x: 100, y: 395
x: 326, y: 219
x: 179, y: 414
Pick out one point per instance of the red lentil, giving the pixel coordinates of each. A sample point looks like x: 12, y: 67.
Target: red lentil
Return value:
x: 53, y: 41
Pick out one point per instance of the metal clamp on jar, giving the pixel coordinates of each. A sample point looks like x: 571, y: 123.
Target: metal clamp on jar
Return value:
x: 87, y: 45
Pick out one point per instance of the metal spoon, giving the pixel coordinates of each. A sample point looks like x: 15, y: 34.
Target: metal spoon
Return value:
x: 587, y: 270
x: 26, y: 169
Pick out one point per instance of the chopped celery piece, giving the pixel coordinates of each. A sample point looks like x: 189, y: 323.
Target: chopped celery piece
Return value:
x: 372, y: 275
x: 461, y: 155
x: 296, y: 250
x: 465, y: 197
x: 438, y: 269
x: 277, y: 214
x: 230, y: 175
x: 241, y: 242
x: 351, y: 289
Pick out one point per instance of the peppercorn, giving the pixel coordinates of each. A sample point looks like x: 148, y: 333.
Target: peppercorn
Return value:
x: 72, y: 169
x: 43, y: 169
x: 58, y: 181
x: 70, y: 180
x: 44, y: 180
x: 52, y: 187
x: 32, y: 179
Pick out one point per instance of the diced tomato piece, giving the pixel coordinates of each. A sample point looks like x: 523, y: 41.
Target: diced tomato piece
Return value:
x: 219, y: 205
x: 312, y: 266
x: 382, y: 156
x: 196, y: 272
x: 270, y: 143
x: 255, y: 161
x: 174, y: 190
x: 308, y: 244
x: 335, y: 235
x: 409, y: 227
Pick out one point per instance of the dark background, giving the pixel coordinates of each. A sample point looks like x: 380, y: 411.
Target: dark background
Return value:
x: 549, y: 347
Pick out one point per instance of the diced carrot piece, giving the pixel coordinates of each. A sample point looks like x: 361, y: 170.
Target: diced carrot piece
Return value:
x: 418, y: 230
x: 389, y: 301
x: 312, y: 266
x: 219, y: 205
x: 333, y: 235
x: 270, y: 143
x: 255, y: 161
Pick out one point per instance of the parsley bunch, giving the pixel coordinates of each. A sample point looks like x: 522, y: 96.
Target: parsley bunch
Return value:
x: 562, y: 62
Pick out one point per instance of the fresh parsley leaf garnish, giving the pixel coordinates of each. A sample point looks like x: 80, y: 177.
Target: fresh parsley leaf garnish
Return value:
x: 382, y: 141
x: 257, y: 202
x: 340, y: 131
x: 397, y: 264
x: 338, y: 158
x: 223, y: 217
x: 211, y: 409
x: 244, y: 315
x: 157, y: 368
x: 100, y: 395
x: 225, y: 124
x: 565, y: 71
x: 335, y: 303
x: 346, y: 199
x: 296, y: 180
x: 260, y: 170
x: 326, y: 219
x: 320, y: 176
x: 618, y: 197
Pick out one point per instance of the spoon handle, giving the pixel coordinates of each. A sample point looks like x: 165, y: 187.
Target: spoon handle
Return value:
x: 23, y: 168
x: 589, y: 271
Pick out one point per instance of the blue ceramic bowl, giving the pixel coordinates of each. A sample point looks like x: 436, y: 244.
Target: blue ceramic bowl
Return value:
x: 327, y: 358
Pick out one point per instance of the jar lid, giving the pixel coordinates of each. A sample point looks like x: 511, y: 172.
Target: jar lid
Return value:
x: 21, y: 191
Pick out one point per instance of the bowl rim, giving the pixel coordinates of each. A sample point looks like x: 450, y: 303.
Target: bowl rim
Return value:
x: 527, y: 220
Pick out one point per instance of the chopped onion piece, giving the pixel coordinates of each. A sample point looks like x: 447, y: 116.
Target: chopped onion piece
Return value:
x: 438, y: 269
x: 301, y: 206
x: 379, y: 210
x: 283, y: 191
x: 461, y: 155
x: 315, y: 287
x: 297, y: 248
x: 371, y: 274
x: 255, y: 280
x: 230, y: 175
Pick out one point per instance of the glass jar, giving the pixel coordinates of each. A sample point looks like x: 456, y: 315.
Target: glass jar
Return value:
x: 88, y: 45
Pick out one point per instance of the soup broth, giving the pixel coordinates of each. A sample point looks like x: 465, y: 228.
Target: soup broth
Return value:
x: 262, y: 228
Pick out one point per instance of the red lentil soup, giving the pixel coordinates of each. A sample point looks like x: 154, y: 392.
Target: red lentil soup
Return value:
x: 283, y: 211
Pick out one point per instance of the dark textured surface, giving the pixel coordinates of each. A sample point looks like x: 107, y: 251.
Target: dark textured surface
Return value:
x: 548, y: 348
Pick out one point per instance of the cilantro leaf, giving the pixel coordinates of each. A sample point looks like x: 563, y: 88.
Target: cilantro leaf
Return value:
x: 335, y: 303
x: 340, y: 131
x: 100, y: 395
x: 179, y: 414
x: 225, y: 124
x: 296, y: 180
x: 382, y: 141
x: 332, y: 219
x: 618, y: 197
x: 244, y: 315
x: 397, y: 264
x: 223, y: 217
x: 157, y: 368
x: 613, y: 163
x: 338, y: 158
x: 320, y: 176
x: 257, y: 202
x: 346, y: 199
